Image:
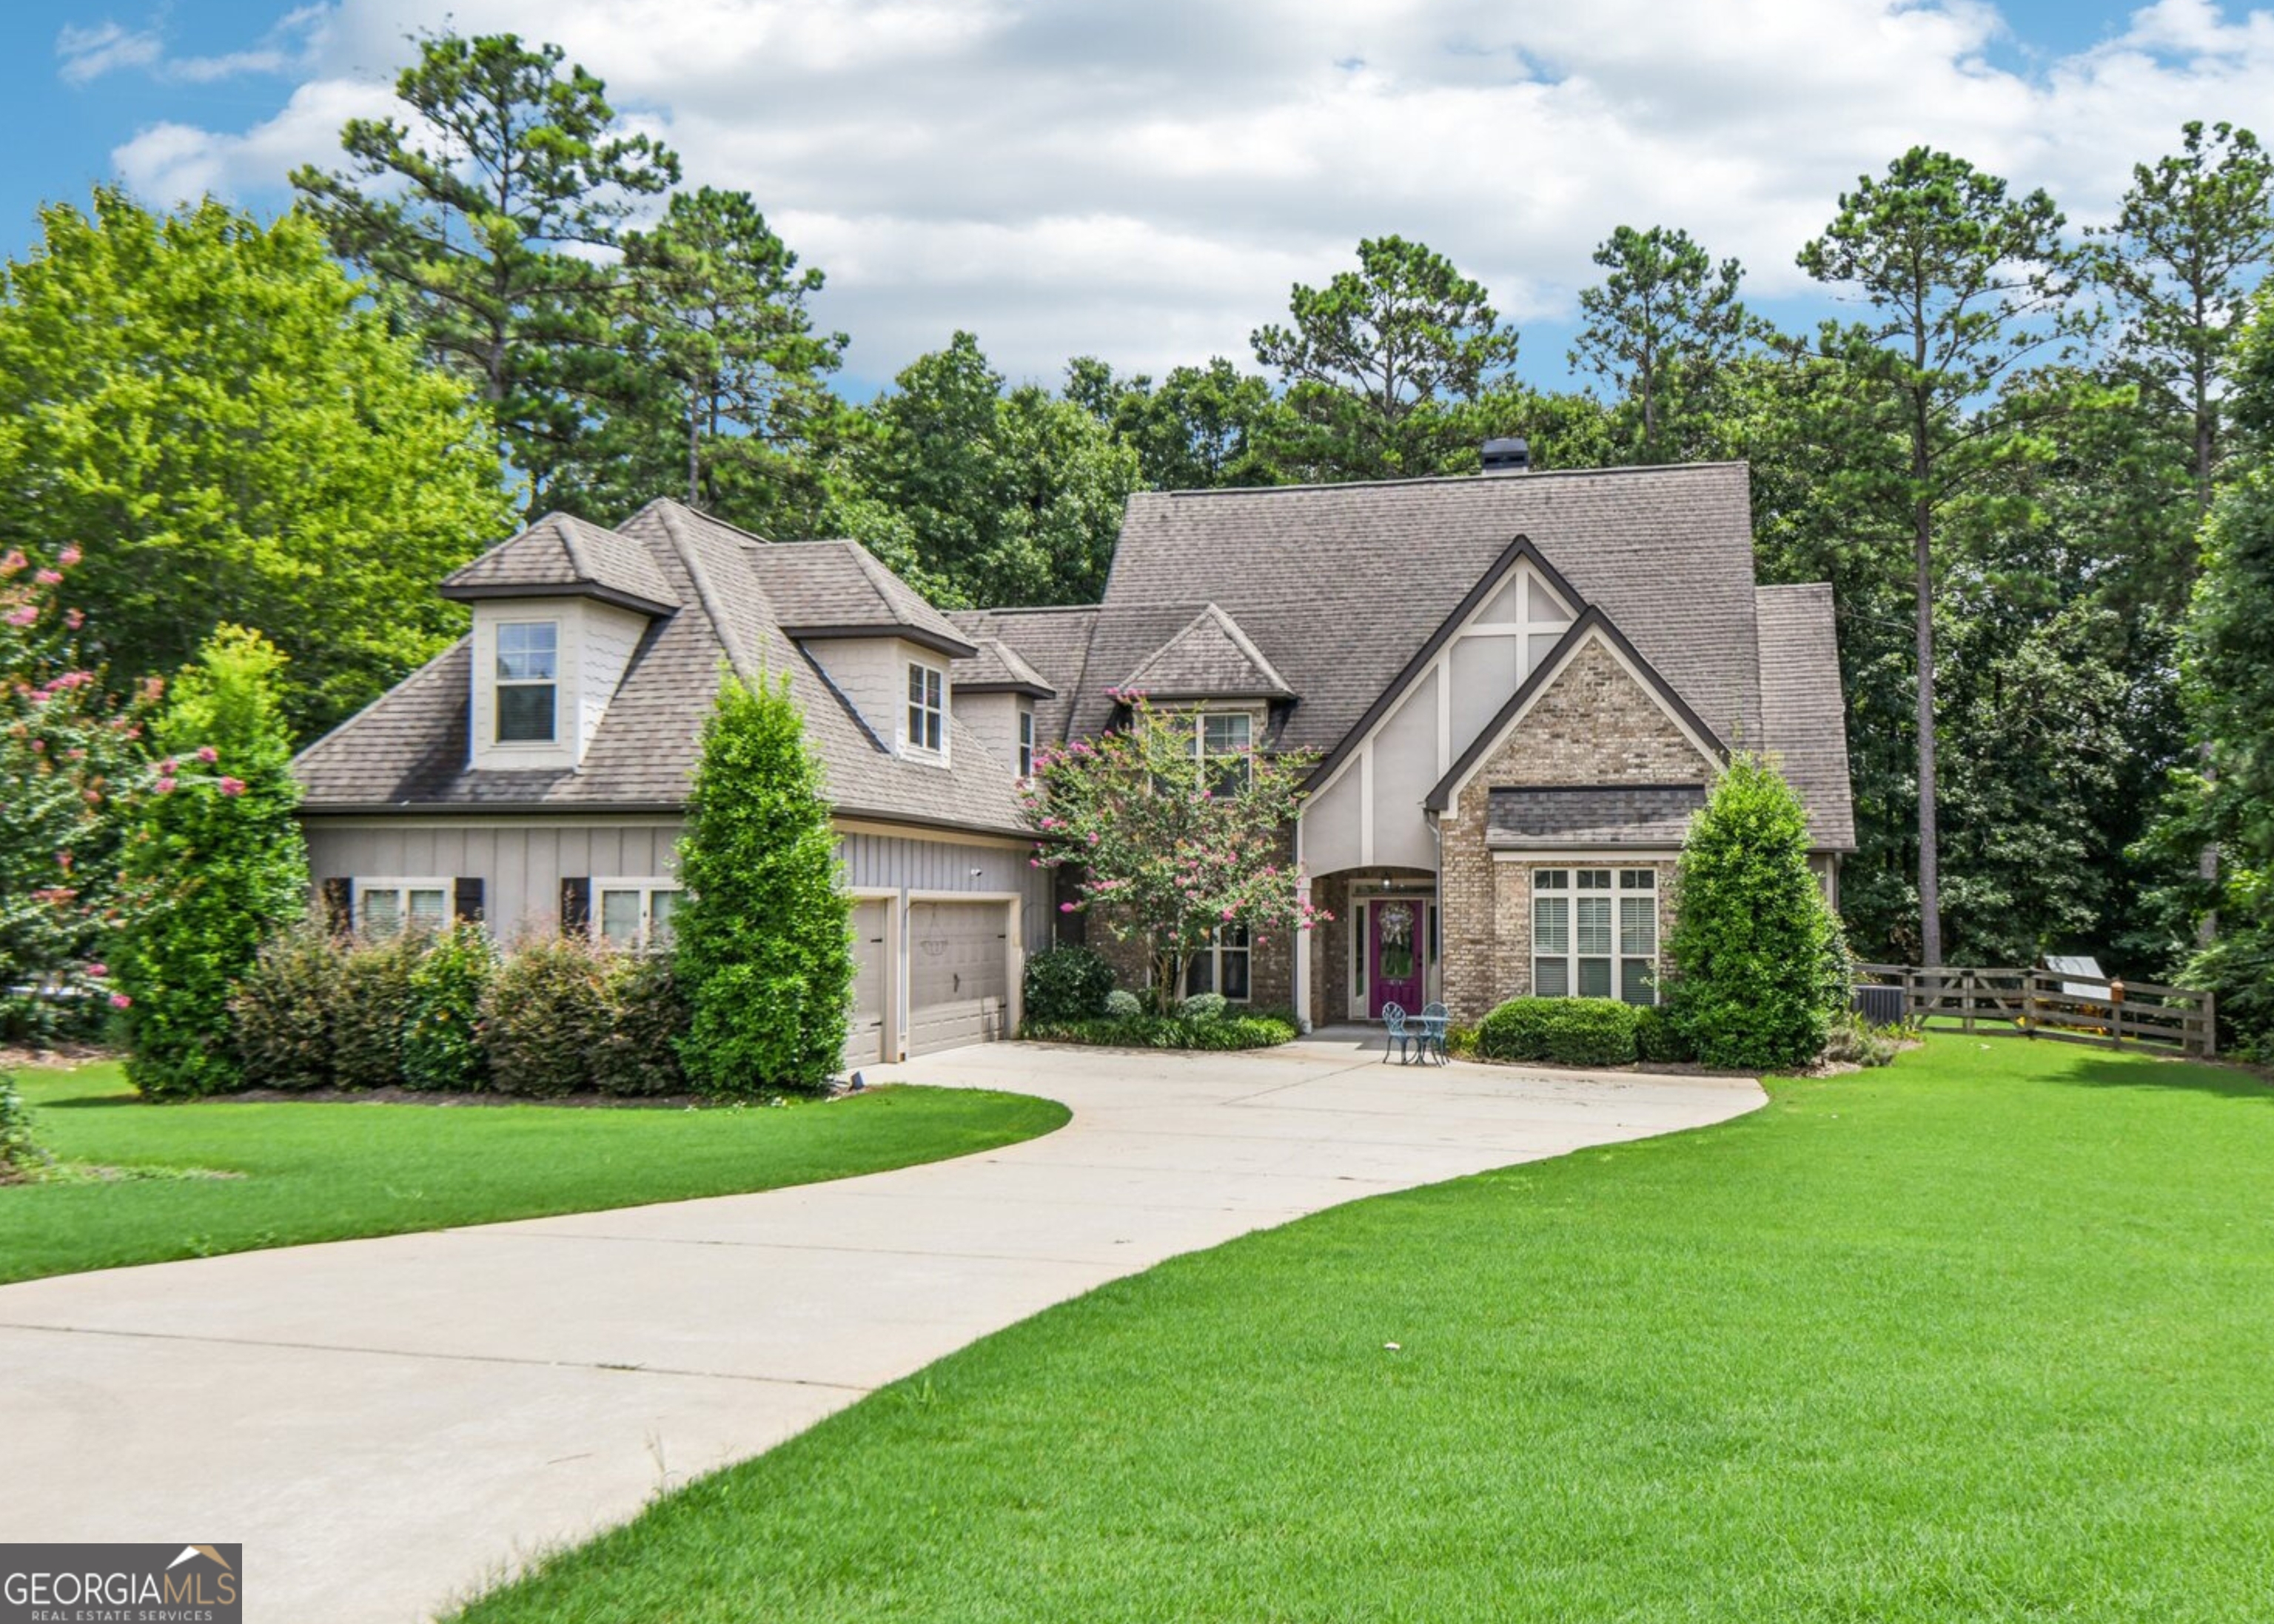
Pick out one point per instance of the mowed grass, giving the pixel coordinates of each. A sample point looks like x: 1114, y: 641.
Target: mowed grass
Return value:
x: 320, y: 1172
x: 1988, y: 1335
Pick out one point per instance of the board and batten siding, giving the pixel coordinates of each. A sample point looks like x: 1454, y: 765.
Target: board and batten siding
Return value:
x: 522, y: 862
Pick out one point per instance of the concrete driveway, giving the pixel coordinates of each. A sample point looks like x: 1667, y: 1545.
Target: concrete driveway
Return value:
x: 388, y: 1425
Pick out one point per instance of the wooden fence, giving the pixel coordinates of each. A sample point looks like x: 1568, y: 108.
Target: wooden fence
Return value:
x: 2043, y: 1004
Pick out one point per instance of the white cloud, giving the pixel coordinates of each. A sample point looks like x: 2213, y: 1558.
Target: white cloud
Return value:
x: 88, y: 53
x: 1144, y: 180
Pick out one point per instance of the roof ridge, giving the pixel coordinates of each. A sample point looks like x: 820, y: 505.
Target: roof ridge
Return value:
x: 566, y: 532
x: 1441, y: 479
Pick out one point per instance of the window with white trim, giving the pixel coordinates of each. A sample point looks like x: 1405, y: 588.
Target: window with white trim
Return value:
x: 633, y: 913
x: 383, y: 908
x: 1025, y: 741
x: 1594, y: 934
x: 1228, y: 736
x: 1220, y: 967
x: 528, y: 681
x: 926, y: 707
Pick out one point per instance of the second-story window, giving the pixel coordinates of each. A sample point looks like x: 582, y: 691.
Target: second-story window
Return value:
x: 926, y: 707
x: 1025, y: 742
x: 528, y: 679
x: 1228, y: 739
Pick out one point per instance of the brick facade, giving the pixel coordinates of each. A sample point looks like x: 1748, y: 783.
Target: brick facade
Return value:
x: 1594, y: 723
x: 1270, y: 961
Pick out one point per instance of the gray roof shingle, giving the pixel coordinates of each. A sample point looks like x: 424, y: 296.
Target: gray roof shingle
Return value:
x: 409, y: 750
x: 564, y: 556
x: 997, y: 669
x: 1803, y: 719
x: 1526, y: 817
x: 839, y: 589
x: 1210, y: 657
x: 1055, y: 643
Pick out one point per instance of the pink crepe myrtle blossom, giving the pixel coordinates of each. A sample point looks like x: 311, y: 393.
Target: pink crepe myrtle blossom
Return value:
x: 209, y: 755
x: 48, y: 577
x: 164, y: 787
x: 120, y: 1001
x: 13, y: 563
x: 74, y: 617
x: 98, y: 970
x: 23, y: 614
x: 232, y: 787
x: 69, y: 555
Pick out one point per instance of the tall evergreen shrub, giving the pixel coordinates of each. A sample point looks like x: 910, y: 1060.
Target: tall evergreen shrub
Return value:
x: 764, y: 951
x: 1759, y: 966
x: 213, y: 866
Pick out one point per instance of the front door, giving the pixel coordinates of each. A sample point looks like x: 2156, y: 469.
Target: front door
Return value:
x: 1393, y: 954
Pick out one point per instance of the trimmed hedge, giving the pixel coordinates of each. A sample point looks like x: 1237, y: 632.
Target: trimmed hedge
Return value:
x: 1214, y: 1033
x: 1067, y: 983
x: 1580, y: 1032
x: 1658, y: 1039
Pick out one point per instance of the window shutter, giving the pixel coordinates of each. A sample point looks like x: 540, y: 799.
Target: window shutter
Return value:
x: 336, y: 897
x: 466, y: 899
x: 576, y: 905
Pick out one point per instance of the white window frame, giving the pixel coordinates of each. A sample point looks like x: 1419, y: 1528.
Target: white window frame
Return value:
x: 926, y: 712
x: 1245, y: 752
x: 1025, y: 741
x: 1213, y: 956
x: 1559, y: 888
x: 499, y: 682
x: 649, y: 888
x: 401, y: 888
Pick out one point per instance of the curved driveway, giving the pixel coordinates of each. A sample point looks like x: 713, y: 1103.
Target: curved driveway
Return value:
x: 390, y: 1424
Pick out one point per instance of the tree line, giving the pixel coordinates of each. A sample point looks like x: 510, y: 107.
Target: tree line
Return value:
x: 2002, y: 454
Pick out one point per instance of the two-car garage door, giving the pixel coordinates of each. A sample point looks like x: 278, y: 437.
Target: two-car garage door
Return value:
x: 958, y: 976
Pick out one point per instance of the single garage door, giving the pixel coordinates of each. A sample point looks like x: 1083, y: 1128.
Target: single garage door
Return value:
x: 958, y: 973
x: 864, y: 1034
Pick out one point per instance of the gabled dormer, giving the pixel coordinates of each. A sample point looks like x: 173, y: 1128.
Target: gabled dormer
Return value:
x: 995, y: 695
x: 559, y: 613
x: 879, y: 644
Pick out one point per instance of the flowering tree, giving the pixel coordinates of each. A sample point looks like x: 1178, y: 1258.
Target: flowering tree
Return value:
x: 68, y: 751
x: 1170, y: 847
x: 213, y: 865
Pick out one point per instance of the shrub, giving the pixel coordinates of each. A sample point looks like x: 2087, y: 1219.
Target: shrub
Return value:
x: 1581, y: 1032
x: 764, y: 939
x: 1067, y: 983
x: 1203, y: 1006
x: 367, y: 1023
x: 545, y: 1018
x: 1121, y: 1005
x: 1461, y: 1042
x: 1759, y: 966
x: 441, y: 1042
x: 1145, y: 1030
x: 21, y: 1158
x: 1852, y: 1041
x: 281, y: 1015
x: 214, y: 864
x: 646, y: 1017
x: 1658, y: 1039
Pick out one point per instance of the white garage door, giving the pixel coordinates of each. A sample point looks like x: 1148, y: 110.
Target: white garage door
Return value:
x: 864, y: 1034
x: 958, y: 973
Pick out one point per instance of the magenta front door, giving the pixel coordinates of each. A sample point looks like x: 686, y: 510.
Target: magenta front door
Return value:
x: 1393, y: 956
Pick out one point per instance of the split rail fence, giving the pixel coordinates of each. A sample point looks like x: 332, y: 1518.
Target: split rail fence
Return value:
x: 2042, y: 1004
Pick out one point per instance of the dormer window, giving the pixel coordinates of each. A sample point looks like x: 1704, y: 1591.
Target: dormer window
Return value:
x: 926, y: 707
x: 528, y: 681
x: 1025, y: 741
x: 1228, y: 737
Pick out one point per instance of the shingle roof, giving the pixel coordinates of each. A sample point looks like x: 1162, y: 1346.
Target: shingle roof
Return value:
x: 839, y: 589
x: 1338, y: 585
x: 1591, y: 817
x: 564, y: 556
x: 1209, y: 658
x: 409, y: 750
x: 1804, y: 721
x: 997, y: 669
x: 1054, y: 641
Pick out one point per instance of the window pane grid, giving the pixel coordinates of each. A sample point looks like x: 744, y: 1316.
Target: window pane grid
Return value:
x: 1582, y: 946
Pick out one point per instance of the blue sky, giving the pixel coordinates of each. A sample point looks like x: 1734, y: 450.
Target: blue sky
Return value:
x: 1143, y: 182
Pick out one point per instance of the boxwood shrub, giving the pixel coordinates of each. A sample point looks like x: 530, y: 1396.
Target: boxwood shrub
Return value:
x: 1580, y: 1032
x: 1067, y: 983
x: 1658, y: 1039
x: 545, y: 1017
x: 1144, y: 1031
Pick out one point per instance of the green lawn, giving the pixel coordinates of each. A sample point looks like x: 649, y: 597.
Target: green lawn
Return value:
x: 321, y: 1172
x: 1988, y: 1335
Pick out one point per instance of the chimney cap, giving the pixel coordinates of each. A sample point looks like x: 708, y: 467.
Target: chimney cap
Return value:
x: 1512, y: 454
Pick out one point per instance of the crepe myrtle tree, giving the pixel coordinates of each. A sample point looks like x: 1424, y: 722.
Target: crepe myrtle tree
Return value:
x: 1170, y: 847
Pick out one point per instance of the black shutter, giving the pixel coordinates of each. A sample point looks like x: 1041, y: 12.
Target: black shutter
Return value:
x: 576, y: 905
x: 466, y: 900
x: 336, y: 897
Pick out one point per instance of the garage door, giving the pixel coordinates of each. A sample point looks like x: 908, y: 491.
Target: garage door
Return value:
x: 958, y: 973
x: 864, y: 1034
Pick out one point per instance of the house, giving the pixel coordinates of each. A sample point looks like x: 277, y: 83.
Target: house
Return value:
x: 1516, y: 686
